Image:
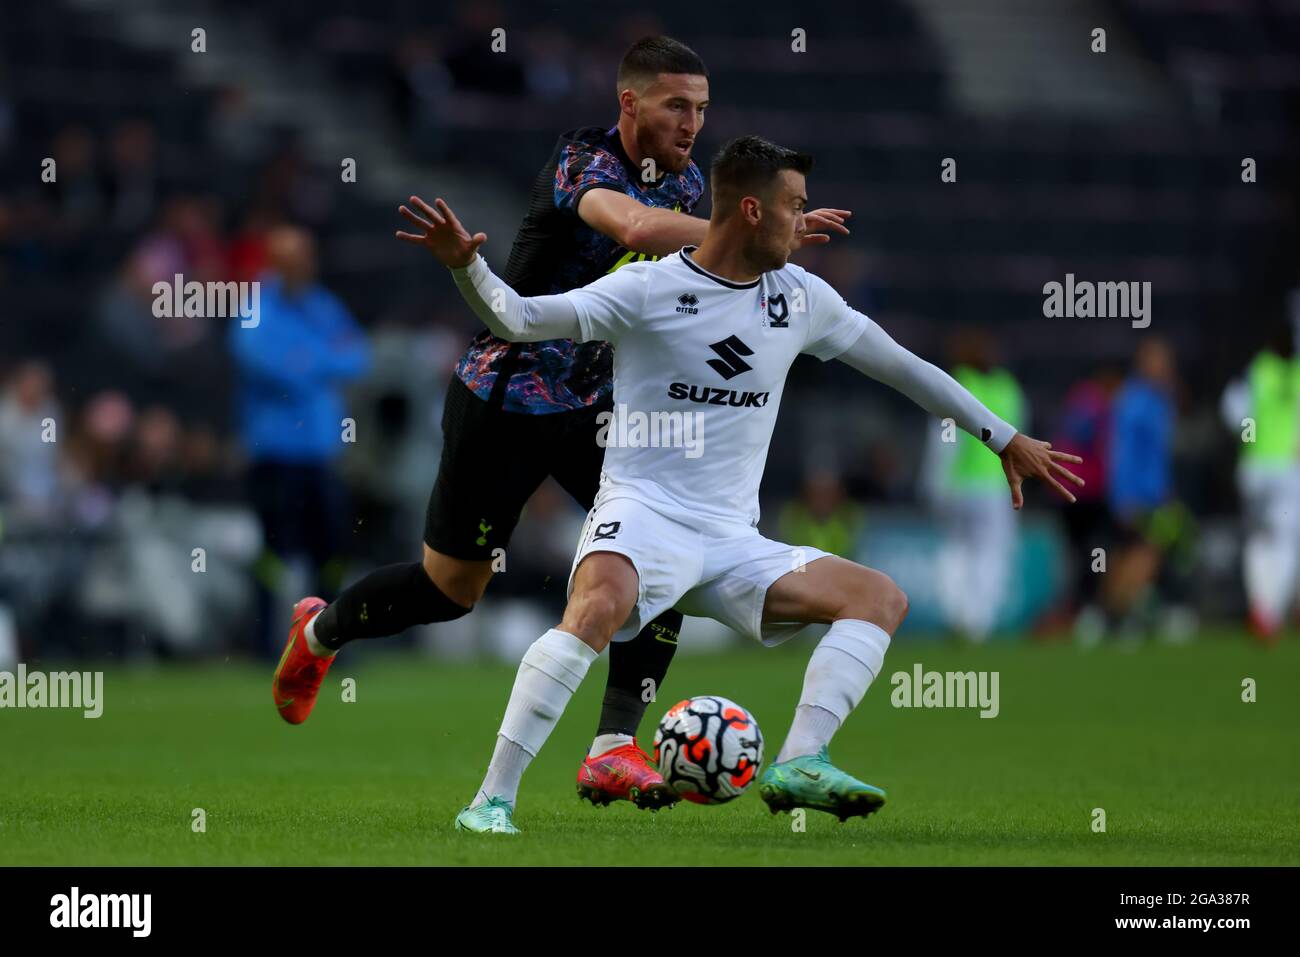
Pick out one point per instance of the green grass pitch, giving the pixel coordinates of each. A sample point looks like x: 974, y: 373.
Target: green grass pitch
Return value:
x: 1157, y: 736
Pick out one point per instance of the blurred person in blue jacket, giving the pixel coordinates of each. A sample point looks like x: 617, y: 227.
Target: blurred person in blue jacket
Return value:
x: 293, y: 365
x: 1155, y: 528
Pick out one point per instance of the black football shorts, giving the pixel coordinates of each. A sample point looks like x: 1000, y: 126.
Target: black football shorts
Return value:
x: 493, y: 461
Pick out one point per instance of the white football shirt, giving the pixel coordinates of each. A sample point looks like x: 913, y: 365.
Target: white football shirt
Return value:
x: 700, y: 363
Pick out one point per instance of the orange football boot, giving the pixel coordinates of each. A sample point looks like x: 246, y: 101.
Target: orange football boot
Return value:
x: 299, y: 674
x: 624, y: 774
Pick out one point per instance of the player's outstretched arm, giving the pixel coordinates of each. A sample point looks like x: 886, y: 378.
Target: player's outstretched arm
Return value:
x: 660, y: 232
x: 508, y: 314
x: 876, y: 354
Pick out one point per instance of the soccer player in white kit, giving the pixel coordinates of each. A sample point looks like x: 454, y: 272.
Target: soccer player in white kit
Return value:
x: 710, y: 333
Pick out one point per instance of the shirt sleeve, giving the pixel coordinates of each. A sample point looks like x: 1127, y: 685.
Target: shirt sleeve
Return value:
x: 613, y: 304
x: 581, y: 167
x: 877, y: 355
x: 509, y: 315
x: 833, y: 325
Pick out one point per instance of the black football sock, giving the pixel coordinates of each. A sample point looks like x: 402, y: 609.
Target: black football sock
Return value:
x: 387, y: 601
x: 631, y: 663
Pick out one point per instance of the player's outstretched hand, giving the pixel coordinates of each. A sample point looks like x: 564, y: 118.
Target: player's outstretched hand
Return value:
x: 825, y: 222
x: 441, y: 233
x: 1032, y: 458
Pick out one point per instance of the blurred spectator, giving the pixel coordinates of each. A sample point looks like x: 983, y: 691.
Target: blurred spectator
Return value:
x: 1084, y: 431
x: 29, y: 468
x: 824, y: 516
x: 1263, y: 412
x: 1153, y: 526
x: 293, y: 365
x: 76, y: 184
x: 172, y: 359
x: 973, y: 500
x: 26, y: 228
x: 420, y: 84
x: 291, y: 189
x: 246, y: 254
x: 131, y: 180
x: 549, y: 67
x: 234, y: 130
x: 96, y: 454
x: 473, y: 66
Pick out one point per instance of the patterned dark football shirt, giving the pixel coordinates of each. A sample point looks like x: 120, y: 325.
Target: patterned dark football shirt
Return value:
x: 556, y: 251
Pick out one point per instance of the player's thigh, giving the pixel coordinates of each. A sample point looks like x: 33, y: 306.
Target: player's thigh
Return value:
x: 492, y: 462
x: 832, y: 588
x: 605, y: 591
x: 663, y: 556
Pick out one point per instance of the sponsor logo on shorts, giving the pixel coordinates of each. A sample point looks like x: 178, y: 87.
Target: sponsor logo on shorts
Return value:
x: 606, y: 530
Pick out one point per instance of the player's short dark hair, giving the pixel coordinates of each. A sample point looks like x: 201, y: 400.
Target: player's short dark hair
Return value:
x: 747, y: 166
x: 650, y: 56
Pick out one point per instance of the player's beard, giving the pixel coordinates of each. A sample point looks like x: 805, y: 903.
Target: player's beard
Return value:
x: 663, y: 152
x: 763, y: 255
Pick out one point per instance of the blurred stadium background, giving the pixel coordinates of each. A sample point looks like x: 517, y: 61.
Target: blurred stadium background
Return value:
x: 1122, y: 166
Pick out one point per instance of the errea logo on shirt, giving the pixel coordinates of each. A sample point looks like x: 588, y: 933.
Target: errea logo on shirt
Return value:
x: 687, y: 303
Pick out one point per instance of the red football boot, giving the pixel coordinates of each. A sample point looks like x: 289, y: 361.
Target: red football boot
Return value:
x: 624, y: 774
x: 299, y: 673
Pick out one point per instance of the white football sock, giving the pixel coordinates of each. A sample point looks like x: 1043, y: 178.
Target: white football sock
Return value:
x: 509, y: 761
x: 812, y: 728
x: 550, y: 672
x: 608, y: 742
x: 841, y: 668
x: 314, y: 646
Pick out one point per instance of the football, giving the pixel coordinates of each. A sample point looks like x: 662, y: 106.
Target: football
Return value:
x: 708, y: 749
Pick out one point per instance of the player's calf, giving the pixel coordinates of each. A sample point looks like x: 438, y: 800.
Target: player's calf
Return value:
x: 386, y: 602
x: 865, y: 607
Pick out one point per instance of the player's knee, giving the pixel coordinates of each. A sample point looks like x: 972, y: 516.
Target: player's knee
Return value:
x: 898, y: 606
x: 594, y: 615
x: 433, y: 604
x: 461, y: 581
x: 881, y: 602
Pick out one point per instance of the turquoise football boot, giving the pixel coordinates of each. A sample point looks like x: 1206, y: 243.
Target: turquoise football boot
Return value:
x: 495, y: 816
x: 812, y: 781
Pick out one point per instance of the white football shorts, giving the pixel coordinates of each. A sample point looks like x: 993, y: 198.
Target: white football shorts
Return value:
x: 704, y: 569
